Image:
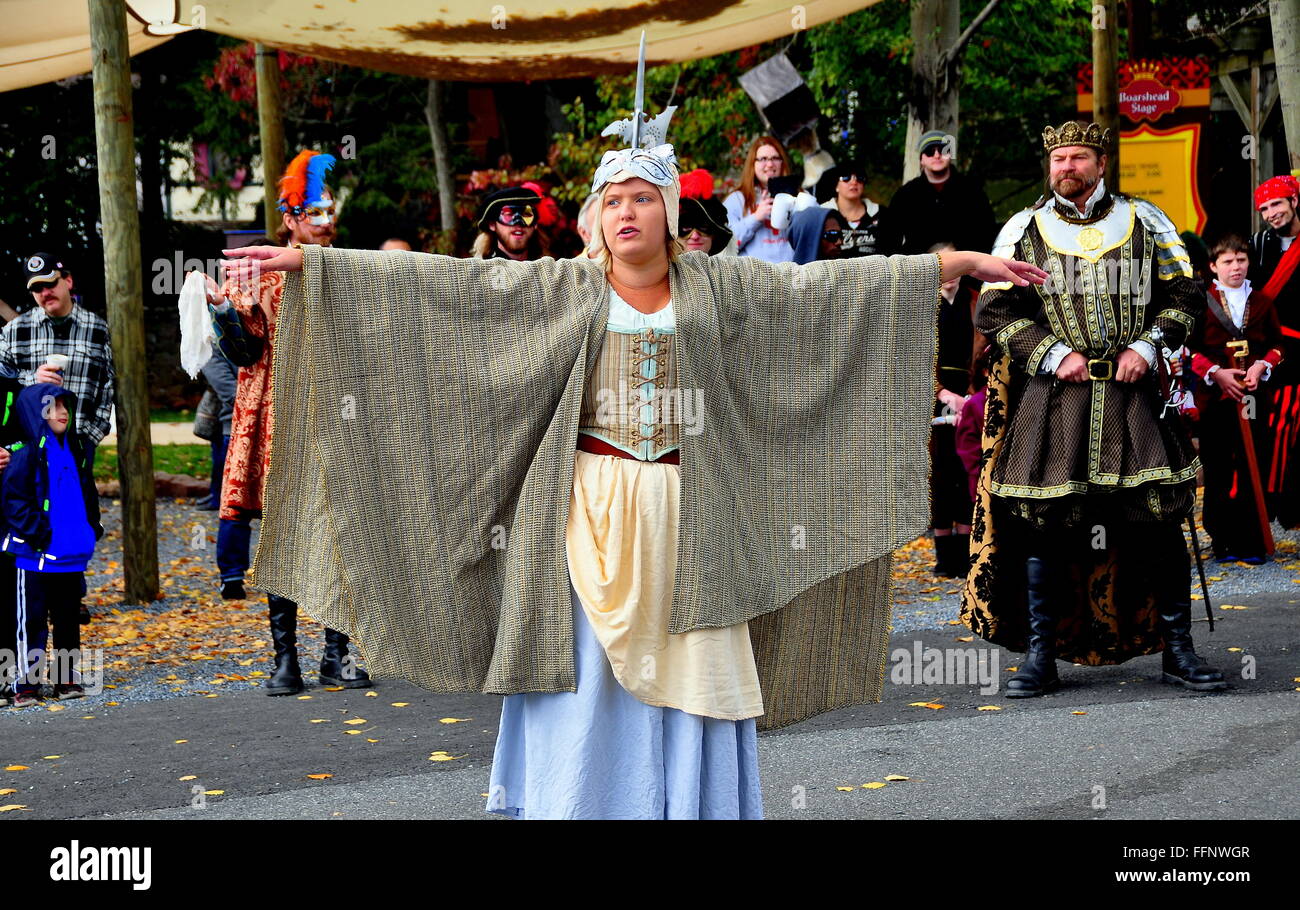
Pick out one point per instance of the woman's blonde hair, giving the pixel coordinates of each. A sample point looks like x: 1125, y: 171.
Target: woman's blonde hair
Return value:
x: 600, y: 249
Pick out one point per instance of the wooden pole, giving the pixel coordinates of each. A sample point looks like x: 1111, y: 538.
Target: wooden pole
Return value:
x: 271, y: 129
x: 124, y: 292
x: 1105, y: 83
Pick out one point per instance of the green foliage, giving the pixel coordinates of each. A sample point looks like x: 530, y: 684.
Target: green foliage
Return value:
x: 192, y: 460
x: 713, y: 122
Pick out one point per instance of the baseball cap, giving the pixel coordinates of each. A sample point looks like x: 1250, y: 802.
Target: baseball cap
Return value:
x: 42, y: 267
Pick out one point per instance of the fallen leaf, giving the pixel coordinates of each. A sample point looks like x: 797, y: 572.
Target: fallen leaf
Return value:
x: 372, y: 740
x: 189, y: 777
x: 874, y: 785
x: 214, y: 792
x: 18, y: 768
x: 56, y: 707
x: 179, y: 741
x: 7, y: 790
x: 453, y: 720
x: 11, y: 808
x: 896, y: 777
x: 319, y: 776
x: 51, y: 757
x: 966, y: 638
x: 443, y: 756
x: 1234, y: 649
x: 319, y: 720
x: 303, y: 697
x: 1232, y: 607
x: 989, y: 708
x: 1078, y: 712
x: 333, y: 688
x: 400, y: 704
x: 841, y: 789
x: 352, y: 732
x: 372, y: 695
x: 354, y: 721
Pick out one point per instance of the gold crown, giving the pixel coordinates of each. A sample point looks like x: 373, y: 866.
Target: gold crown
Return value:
x: 1144, y: 69
x: 1074, y: 133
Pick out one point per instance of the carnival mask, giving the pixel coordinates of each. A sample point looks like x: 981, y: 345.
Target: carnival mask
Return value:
x: 513, y: 215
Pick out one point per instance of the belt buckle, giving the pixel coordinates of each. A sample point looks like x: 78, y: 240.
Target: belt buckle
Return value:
x: 1097, y: 374
x: 1240, y: 348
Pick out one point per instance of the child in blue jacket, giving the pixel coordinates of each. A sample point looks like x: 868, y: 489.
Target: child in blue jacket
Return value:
x: 51, y: 513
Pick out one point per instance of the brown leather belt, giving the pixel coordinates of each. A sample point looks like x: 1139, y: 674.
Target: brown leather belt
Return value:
x: 597, y: 446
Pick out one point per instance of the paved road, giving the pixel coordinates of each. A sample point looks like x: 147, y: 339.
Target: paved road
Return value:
x: 1141, y: 749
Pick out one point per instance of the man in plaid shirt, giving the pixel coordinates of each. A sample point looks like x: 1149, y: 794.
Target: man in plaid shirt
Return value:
x: 57, y: 325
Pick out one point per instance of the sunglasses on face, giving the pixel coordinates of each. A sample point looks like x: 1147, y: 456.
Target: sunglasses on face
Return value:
x: 846, y: 178
x: 832, y: 236
x: 932, y: 151
x: 685, y: 232
x: 512, y: 215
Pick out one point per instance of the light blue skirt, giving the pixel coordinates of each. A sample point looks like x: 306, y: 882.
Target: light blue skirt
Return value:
x: 601, y: 753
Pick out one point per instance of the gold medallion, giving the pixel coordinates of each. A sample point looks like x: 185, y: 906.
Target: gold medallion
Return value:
x: 1090, y: 239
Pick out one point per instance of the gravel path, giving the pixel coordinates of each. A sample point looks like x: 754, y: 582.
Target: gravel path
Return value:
x: 193, y: 643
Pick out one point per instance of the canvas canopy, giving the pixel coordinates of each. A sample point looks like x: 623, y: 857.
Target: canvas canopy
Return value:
x: 44, y: 40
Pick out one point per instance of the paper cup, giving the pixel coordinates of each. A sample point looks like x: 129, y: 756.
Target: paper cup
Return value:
x: 58, y: 361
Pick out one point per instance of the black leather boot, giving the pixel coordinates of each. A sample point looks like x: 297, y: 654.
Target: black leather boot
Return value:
x: 337, y: 668
x: 1037, y: 674
x: 943, y: 556
x: 960, y: 561
x: 1182, y: 665
x: 286, y: 678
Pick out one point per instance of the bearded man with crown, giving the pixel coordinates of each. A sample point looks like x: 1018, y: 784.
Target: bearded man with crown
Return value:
x: 1087, y: 474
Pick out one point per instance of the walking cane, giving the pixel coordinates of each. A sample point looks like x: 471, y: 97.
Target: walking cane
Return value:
x: 1200, y: 570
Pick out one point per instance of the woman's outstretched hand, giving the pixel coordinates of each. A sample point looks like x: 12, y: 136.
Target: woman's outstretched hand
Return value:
x: 248, y: 262
x: 990, y: 268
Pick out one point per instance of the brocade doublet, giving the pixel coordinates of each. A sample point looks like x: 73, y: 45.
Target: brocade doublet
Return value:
x: 1117, y: 280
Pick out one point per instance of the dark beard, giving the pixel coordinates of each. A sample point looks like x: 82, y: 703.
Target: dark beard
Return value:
x: 1086, y: 185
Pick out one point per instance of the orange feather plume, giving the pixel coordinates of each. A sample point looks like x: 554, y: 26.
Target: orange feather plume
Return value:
x: 293, y: 185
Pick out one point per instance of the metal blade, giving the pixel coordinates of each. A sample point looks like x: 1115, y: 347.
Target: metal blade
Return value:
x: 638, y: 102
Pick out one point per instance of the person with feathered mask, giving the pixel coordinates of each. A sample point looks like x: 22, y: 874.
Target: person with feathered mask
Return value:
x: 244, y: 314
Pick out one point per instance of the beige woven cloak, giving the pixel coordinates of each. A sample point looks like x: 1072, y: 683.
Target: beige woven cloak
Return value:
x: 422, y: 464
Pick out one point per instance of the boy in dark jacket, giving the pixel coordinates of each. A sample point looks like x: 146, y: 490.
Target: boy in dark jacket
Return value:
x: 9, y: 434
x: 51, y: 512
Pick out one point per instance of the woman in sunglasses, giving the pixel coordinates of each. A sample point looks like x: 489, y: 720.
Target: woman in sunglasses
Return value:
x: 701, y: 218
x: 868, y: 228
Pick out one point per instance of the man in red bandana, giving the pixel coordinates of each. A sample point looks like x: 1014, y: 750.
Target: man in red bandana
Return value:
x: 1275, y: 269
